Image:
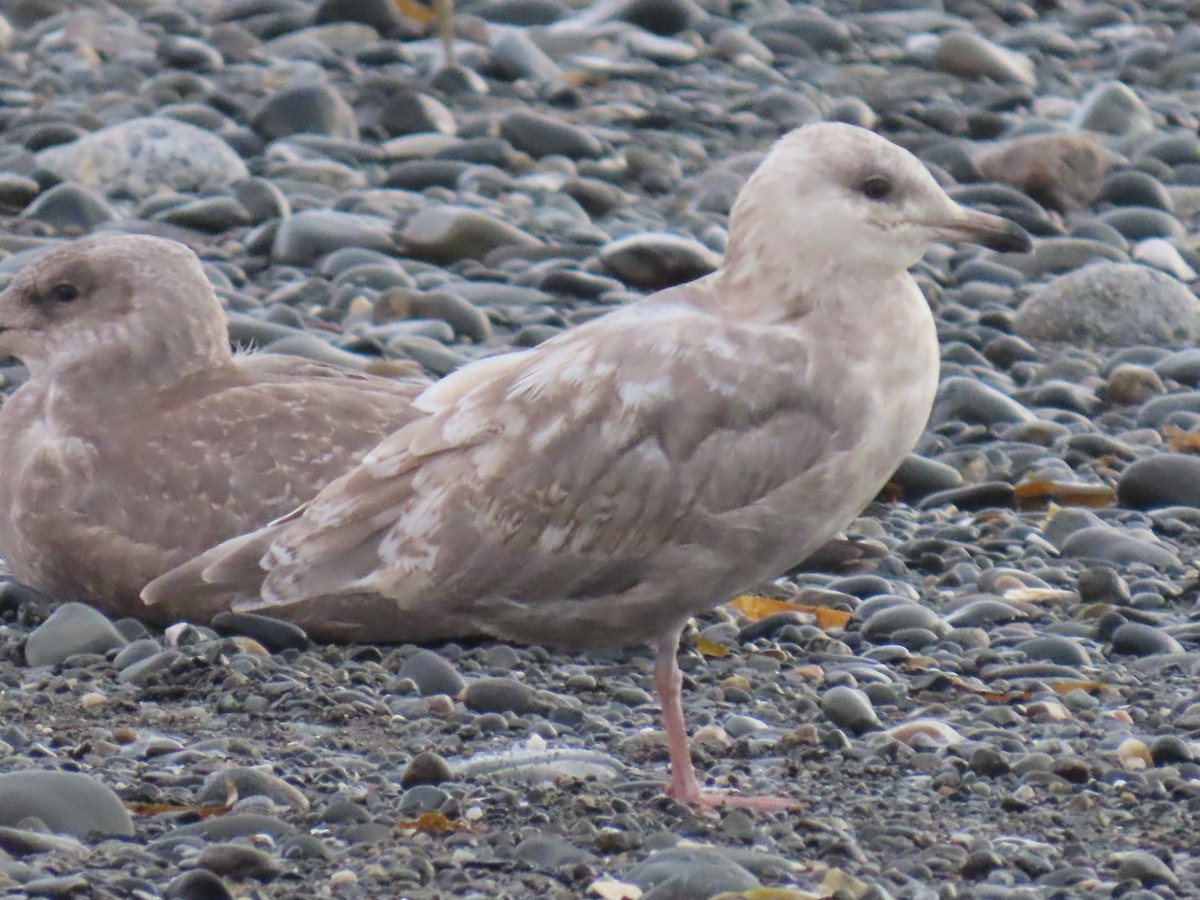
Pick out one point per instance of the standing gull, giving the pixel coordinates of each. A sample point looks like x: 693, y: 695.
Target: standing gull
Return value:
x: 607, y: 485
x: 140, y: 439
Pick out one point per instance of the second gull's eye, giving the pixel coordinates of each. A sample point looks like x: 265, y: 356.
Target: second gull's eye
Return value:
x: 64, y: 292
x: 876, y: 187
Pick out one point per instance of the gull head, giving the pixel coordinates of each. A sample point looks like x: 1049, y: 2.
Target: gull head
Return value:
x: 111, y: 295
x: 836, y: 198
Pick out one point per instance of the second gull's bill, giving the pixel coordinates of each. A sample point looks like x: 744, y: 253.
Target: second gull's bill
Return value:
x: 609, y: 484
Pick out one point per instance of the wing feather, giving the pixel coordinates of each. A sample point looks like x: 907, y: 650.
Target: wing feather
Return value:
x: 568, y: 474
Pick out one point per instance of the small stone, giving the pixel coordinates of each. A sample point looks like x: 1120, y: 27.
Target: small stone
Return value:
x: 502, y: 695
x: 239, y: 862
x: 72, y: 628
x: 881, y: 626
x: 550, y: 852
x: 541, y: 135
x: 849, y: 708
x: 70, y: 208
x: 432, y: 674
x: 306, y: 109
x: 274, y: 634
x: 250, y: 781
x: 305, y: 237
x: 1133, y: 755
x: 1136, y: 639
x: 1143, y: 867
x: 1113, y: 107
x: 1061, y: 171
x: 198, y: 884
x: 1114, y: 545
x: 447, y: 234
x: 687, y: 872
x: 411, y: 112
x: 968, y: 55
x: 1131, y: 385
x: 1165, y: 479
x: 962, y: 399
x: 1163, y: 256
x: 656, y: 260
x: 1168, y: 749
x: 180, y: 52
x: 427, y: 767
x: 382, y: 15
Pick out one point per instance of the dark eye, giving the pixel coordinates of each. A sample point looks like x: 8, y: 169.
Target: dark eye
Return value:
x: 876, y: 187
x: 64, y: 292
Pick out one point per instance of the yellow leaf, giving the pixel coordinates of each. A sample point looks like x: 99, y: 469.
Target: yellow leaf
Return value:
x: 711, y: 648
x: 418, y: 12
x: 1033, y: 494
x: 1065, y: 687
x: 432, y: 823
x: 756, y: 608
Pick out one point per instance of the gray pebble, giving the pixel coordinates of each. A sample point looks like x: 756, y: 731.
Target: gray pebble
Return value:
x: 306, y: 108
x: 198, y: 884
x: 305, y: 237
x: 967, y: 400
x: 432, y: 673
x: 1107, y: 544
x: 1136, y: 639
x: 540, y: 135
x: 849, y: 708
x: 72, y: 628
x: 70, y: 208
x: 1165, y: 479
x: 502, y: 695
x: 239, y: 862
x: 251, y: 781
x: 67, y: 802
x: 446, y: 234
x: 652, y: 260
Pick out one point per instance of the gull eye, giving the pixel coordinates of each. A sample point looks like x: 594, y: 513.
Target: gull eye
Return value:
x: 876, y: 187
x: 64, y: 292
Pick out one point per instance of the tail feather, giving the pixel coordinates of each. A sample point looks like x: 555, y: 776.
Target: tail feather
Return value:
x: 233, y: 566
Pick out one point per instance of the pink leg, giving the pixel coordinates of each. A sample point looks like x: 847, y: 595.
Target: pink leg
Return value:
x: 684, y: 787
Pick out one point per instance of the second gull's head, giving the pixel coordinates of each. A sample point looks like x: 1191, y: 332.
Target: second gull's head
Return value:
x: 833, y: 197
x: 130, y: 295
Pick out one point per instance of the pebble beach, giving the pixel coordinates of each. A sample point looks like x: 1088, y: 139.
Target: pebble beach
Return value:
x: 985, y: 689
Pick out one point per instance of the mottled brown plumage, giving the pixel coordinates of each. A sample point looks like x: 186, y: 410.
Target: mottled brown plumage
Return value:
x: 141, y: 440
x: 649, y: 465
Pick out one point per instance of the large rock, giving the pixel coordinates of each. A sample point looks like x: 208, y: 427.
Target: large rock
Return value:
x: 142, y: 156
x: 1113, y: 304
x: 67, y: 802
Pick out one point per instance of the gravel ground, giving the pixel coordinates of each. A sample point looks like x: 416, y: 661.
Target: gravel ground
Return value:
x: 1007, y: 706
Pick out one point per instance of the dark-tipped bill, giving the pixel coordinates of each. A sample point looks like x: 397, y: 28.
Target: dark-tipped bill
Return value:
x: 994, y: 232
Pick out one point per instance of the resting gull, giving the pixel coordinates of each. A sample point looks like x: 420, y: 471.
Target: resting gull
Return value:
x: 607, y: 485
x: 140, y: 440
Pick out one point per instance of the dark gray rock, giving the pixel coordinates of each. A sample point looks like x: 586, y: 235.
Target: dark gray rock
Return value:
x: 306, y: 109
x: 540, y: 135
x: 70, y: 208
x: 1165, y: 479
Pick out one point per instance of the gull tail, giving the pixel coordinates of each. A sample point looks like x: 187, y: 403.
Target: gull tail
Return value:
x: 233, y: 567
